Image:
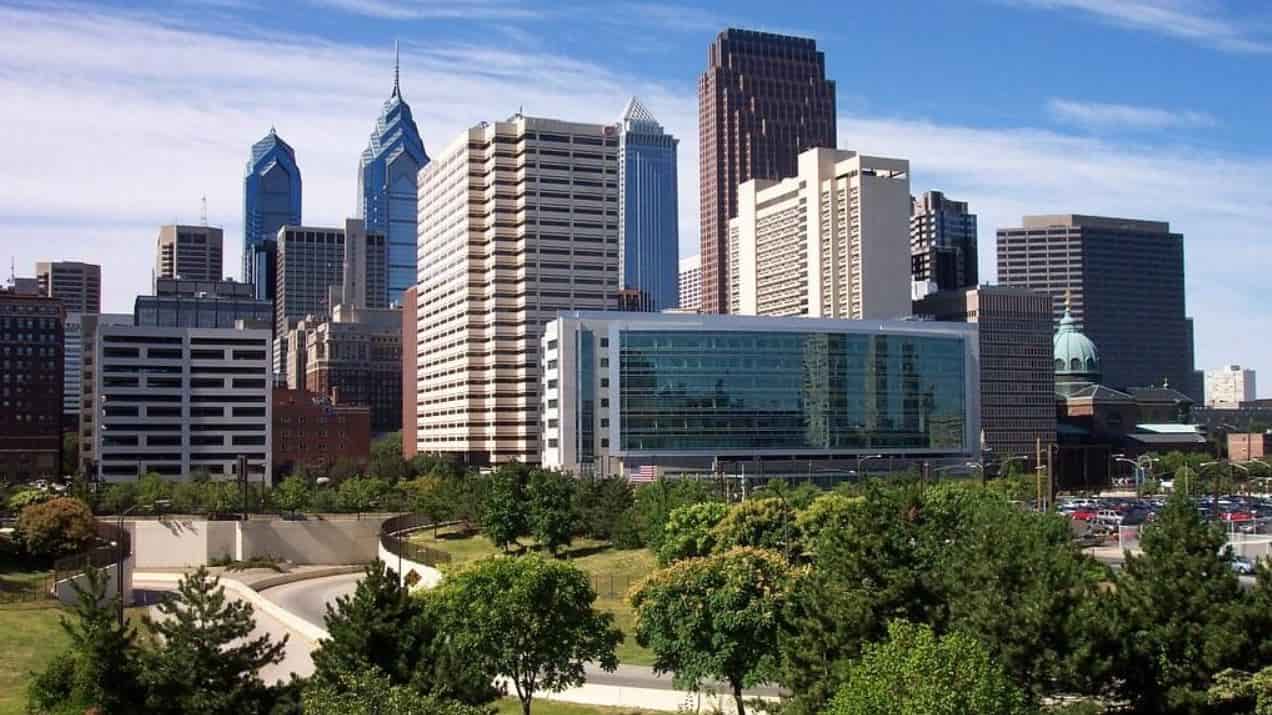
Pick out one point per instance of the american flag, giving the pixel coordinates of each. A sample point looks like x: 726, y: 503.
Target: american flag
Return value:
x: 647, y: 473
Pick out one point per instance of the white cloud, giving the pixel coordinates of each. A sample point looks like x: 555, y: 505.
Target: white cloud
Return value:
x: 434, y: 9
x: 1100, y: 115
x: 1201, y: 21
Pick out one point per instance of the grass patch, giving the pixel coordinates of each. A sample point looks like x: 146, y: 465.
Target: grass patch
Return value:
x: 512, y: 706
x: 613, y: 573
x: 32, y: 635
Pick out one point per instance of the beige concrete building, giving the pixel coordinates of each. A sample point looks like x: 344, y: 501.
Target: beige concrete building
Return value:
x: 77, y: 285
x: 831, y: 242
x: 1229, y: 386
x: 518, y: 220
x: 691, y: 284
x: 189, y: 253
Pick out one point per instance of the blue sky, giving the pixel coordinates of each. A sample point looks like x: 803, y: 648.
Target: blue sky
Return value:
x: 120, y: 116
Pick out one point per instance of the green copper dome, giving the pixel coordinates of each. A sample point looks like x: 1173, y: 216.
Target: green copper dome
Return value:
x: 1076, y: 357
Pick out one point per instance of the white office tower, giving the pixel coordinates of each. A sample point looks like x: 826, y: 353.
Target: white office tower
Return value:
x: 831, y: 242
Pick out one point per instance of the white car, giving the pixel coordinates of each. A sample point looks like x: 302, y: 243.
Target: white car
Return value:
x: 1109, y: 517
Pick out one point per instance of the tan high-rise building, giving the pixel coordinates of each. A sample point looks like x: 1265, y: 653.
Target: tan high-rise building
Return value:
x: 1229, y: 386
x: 77, y: 285
x: 690, y: 284
x: 518, y: 220
x: 832, y: 241
x: 189, y: 253
x: 762, y: 100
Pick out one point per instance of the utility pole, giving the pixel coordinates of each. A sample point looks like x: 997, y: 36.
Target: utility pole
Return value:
x: 242, y: 476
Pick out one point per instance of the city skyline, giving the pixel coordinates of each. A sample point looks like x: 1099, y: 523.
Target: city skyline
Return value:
x: 1031, y: 138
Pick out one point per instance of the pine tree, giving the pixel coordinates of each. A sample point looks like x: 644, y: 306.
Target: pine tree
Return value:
x: 207, y: 663
x: 370, y: 628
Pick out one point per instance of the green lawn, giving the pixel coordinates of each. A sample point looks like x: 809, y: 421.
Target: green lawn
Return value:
x: 31, y: 635
x: 613, y: 572
x: 18, y: 583
x: 512, y: 706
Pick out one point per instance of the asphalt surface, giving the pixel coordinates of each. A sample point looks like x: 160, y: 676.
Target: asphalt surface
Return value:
x: 1115, y: 562
x: 308, y: 599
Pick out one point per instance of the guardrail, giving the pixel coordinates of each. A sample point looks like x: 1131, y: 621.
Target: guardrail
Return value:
x: 115, y: 546
x: 392, y: 538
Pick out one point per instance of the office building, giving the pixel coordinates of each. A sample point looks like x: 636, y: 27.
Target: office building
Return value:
x: 648, y: 222
x: 189, y: 253
x: 271, y: 200
x: 313, y: 432
x: 200, y: 304
x: 831, y: 241
x: 409, y: 332
x: 78, y: 286
x: 1229, y: 386
x: 72, y: 364
x: 1017, y: 378
x: 1125, y: 279
x: 176, y: 401
x: 311, y: 269
x: 87, y: 381
x: 387, y: 193
x: 31, y: 352
x: 354, y: 357
x: 690, y: 284
x: 518, y: 221
x: 762, y: 101
x: 1244, y: 447
x: 942, y: 243
x: 626, y: 391
x: 20, y: 285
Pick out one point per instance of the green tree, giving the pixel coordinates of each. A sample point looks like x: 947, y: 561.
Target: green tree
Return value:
x: 152, y: 488
x: 715, y: 618
x: 370, y: 692
x: 100, y: 669
x: 370, y: 628
x: 70, y: 453
x: 360, y: 494
x: 552, y: 517
x: 827, y: 512
x: 918, y: 673
x: 386, y: 458
x: 504, y: 515
x: 530, y: 619
x: 292, y: 494
x: 1243, y: 692
x: 22, y: 498
x: 429, y: 497
x: 343, y: 469
x: 689, y: 531
x: 602, y: 503
x: 207, y: 662
x: 655, y: 502
x: 117, y: 498
x: 57, y: 527
x: 187, y: 497
x: 1180, y: 613
x: 220, y: 497
x: 762, y: 523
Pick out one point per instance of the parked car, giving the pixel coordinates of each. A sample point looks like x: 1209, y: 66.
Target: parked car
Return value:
x: 1110, y: 517
x: 1243, y: 566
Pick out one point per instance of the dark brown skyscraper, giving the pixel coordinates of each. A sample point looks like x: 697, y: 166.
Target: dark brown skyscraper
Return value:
x: 762, y: 100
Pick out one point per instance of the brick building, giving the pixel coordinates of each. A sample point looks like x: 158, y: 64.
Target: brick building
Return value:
x: 312, y: 431
x: 31, y: 357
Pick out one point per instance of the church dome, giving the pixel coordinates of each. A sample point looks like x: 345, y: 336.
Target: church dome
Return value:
x: 1074, y: 355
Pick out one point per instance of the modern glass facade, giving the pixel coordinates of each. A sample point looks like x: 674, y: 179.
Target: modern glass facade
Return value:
x: 387, y: 188
x: 271, y: 200
x: 199, y: 312
x: 791, y: 391
x: 649, y: 240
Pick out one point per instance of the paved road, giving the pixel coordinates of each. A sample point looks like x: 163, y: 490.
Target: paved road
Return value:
x: 308, y: 599
x: 1115, y: 560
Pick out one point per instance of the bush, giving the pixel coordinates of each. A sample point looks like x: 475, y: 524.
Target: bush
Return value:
x: 57, y: 527
x: 762, y: 523
x: 656, y: 501
x: 689, y: 531
x: 23, y: 498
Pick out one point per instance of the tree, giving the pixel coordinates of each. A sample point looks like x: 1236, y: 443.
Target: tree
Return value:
x: 292, y: 494
x: 552, y: 517
x: 429, y: 497
x: 371, y: 692
x: 386, y: 458
x: 70, y: 452
x: 152, y: 488
x: 1180, y: 612
x: 220, y: 497
x: 715, y: 618
x: 689, y: 531
x: 343, y: 469
x: 100, y: 669
x: 601, y: 503
x: 117, y: 498
x: 762, y: 523
x: 826, y: 512
x: 504, y: 516
x: 57, y: 527
x: 22, y: 498
x: 918, y: 673
x: 530, y: 619
x: 1242, y: 691
x: 360, y: 494
x: 656, y: 501
x: 208, y: 662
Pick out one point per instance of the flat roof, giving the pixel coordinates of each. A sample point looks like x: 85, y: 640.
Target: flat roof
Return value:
x: 701, y: 321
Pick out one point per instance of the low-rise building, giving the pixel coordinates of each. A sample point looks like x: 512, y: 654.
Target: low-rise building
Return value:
x: 310, y: 430
x: 181, y: 400
x: 200, y: 304
x: 31, y: 358
x: 680, y: 393
x: 1247, y: 446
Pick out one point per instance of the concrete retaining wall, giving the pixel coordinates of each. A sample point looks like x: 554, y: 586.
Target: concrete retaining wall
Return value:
x: 186, y: 542
x: 428, y: 576
x: 65, y: 589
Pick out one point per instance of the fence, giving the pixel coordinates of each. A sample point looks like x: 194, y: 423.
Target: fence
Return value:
x: 26, y: 590
x: 612, y: 586
x: 393, y: 539
x: 115, y: 546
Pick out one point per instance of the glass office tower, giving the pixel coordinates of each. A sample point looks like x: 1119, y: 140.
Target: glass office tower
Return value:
x: 649, y: 234
x: 271, y: 200
x: 387, y: 187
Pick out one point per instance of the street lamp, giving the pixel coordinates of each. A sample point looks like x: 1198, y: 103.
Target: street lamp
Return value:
x: 861, y: 458
x: 1141, y: 464
x: 119, y: 550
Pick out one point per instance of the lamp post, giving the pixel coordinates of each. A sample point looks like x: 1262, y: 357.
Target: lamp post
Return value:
x: 119, y: 550
x: 1142, y: 465
x: 862, y: 458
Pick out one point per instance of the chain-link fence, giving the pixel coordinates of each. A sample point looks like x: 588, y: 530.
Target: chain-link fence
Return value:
x: 394, y: 539
x: 613, y: 585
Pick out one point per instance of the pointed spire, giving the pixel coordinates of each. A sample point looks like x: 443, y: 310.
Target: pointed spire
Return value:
x: 397, y: 65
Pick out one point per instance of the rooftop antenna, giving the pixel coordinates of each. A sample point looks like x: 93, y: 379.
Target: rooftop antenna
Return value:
x: 203, y: 215
x: 13, y: 271
x: 397, y: 65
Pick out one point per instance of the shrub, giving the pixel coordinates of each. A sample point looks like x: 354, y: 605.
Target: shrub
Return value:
x: 57, y: 527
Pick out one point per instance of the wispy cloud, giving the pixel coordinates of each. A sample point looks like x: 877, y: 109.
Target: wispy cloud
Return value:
x: 435, y: 9
x: 1201, y: 21
x: 1101, y: 115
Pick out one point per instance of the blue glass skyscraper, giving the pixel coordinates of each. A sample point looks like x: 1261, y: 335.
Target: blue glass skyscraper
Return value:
x: 386, y: 187
x: 649, y: 234
x: 271, y: 199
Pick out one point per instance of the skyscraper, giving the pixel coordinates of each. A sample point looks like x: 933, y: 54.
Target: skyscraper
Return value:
x: 271, y: 200
x: 830, y: 241
x: 691, y: 283
x: 78, y: 286
x: 943, y: 242
x: 648, y: 226
x: 1229, y: 386
x: 1126, y: 282
x: 31, y: 340
x: 519, y: 221
x: 762, y: 100
x: 386, y: 187
x: 188, y: 252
